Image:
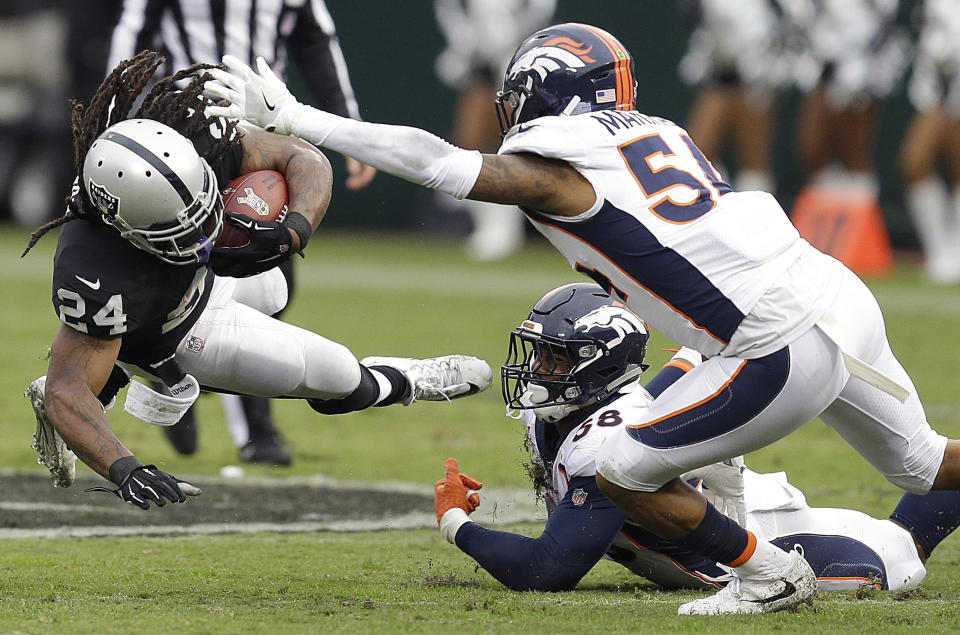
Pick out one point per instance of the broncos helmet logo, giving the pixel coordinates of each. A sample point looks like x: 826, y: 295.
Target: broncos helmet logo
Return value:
x: 616, y: 318
x: 553, y: 55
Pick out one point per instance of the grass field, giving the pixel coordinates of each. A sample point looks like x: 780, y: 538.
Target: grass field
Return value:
x: 299, y: 549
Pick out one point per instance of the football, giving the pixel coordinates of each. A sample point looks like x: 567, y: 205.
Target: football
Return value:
x: 261, y: 195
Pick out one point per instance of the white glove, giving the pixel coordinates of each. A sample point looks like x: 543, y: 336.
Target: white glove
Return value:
x: 262, y: 99
x: 725, y: 481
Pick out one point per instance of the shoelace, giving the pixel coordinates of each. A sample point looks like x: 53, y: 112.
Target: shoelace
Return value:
x: 442, y: 374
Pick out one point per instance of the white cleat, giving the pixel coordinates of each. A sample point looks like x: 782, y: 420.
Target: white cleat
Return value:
x: 797, y: 584
x: 53, y: 451
x: 438, y: 378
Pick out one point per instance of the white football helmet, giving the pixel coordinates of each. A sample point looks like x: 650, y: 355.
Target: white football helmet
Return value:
x: 148, y: 181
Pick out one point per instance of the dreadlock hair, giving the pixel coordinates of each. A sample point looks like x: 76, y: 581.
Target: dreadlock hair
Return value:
x: 166, y: 102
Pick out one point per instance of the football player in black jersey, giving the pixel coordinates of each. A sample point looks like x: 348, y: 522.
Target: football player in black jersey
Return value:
x: 136, y: 292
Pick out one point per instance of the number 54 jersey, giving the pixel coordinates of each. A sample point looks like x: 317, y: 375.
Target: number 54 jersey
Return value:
x: 719, y: 271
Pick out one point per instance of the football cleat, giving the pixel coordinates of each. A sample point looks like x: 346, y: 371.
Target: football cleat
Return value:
x: 438, y: 378
x: 268, y: 451
x: 796, y: 584
x: 53, y: 451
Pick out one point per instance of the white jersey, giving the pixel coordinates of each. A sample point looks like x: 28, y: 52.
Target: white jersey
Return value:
x: 578, y: 452
x: 836, y: 541
x: 671, y: 239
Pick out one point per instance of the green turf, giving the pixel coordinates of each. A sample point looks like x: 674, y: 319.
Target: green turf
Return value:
x: 416, y: 296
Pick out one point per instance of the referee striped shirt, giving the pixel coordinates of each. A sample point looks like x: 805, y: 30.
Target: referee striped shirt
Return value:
x: 190, y: 31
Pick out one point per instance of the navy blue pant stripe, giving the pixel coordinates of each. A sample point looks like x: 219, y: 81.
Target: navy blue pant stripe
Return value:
x: 833, y: 556
x: 634, y: 249
x: 758, y: 382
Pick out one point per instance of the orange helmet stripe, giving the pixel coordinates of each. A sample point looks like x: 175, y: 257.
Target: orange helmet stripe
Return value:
x: 622, y: 70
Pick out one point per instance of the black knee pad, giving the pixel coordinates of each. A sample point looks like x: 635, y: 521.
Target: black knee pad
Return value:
x: 361, y: 398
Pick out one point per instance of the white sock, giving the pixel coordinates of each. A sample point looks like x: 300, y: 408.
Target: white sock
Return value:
x: 865, y: 182
x: 498, y: 230
x: 236, y: 419
x: 953, y: 222
x: 754, y: 180
x: 383, y: 384
x: 928, y: 203
x: 766, y: 562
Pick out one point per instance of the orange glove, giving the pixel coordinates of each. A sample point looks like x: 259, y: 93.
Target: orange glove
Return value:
x: 451, y: 491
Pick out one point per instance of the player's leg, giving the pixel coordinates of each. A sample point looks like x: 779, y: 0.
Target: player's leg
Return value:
x: 927, y: 196
x: 755, y: 120
x: 893, y: 436
x: 846, y: 548
x: 711, y: 117
x: 815, y: 132
x: 723, y: 408
x: 929, y: 518
x: 236, y: 348
x: 498, y: 230
x: 252, y: 417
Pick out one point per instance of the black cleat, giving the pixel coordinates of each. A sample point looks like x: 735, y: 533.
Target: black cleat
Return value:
x: 183, y: 434
x: 266, y: 451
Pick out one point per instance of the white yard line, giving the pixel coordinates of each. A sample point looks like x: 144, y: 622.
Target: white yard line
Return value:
x: 499, y: 507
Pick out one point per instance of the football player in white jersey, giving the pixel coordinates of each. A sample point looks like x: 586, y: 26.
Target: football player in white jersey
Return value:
x: 789, y: 333
x: 570, y: 408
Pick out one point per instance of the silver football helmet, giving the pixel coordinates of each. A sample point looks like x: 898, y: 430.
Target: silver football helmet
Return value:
x: 148, y: 181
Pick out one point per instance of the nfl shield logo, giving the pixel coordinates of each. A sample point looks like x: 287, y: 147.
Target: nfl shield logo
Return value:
x: 578, y: 497
x: 195, y: 344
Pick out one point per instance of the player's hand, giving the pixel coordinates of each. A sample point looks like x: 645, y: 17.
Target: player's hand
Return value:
x: 260, y: 98
x: 146, y: 484
x: 725, y: 480
x: 455, y: 490
x: 271, y: 242
x: 359, y: 175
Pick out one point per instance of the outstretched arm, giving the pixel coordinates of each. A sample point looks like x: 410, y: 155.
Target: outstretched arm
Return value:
x: 416, y: 155
x: 79, y: 368
x: 574, y: 540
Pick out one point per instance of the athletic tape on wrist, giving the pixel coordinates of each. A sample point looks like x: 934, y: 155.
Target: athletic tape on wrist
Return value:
x: 122, y: 468
x: 451, y: 522
x: 299, y: 224
x: 160, y: 409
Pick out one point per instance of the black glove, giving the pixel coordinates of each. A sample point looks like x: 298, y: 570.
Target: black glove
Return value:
x: 142, y: 484
x: 270, y: 244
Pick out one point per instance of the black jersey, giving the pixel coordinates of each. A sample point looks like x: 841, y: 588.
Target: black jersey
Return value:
x: 105, y: 286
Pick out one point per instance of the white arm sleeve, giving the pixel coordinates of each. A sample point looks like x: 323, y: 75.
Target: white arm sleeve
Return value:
x: 410, y: 153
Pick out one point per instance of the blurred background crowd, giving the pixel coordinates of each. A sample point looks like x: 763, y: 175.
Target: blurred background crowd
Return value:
x: 858, y: 98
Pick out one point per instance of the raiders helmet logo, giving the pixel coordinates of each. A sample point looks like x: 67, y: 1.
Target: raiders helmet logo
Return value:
x: 107, y: 203
x: 254, y: 202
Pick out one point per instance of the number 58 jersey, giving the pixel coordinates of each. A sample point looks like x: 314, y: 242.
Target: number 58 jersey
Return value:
x: 669, y: 237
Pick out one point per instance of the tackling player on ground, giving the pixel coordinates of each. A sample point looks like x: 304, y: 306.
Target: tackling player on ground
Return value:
x: 136, y: 293
x: 573, y: 373
x: 789, y: 333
